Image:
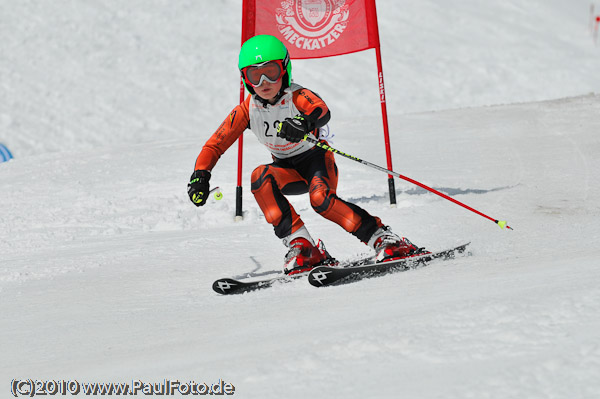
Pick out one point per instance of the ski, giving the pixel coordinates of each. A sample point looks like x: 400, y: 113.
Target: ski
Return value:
x: 227, y: 286
x: 331, y: 275
x: 345, y: 272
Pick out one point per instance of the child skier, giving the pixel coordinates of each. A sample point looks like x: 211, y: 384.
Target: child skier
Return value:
x: 280, y: 113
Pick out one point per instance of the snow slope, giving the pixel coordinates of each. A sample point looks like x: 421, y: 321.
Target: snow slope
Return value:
x: 106, y: 267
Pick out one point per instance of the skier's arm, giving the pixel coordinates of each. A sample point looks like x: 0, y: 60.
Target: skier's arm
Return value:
x: 313, y: 115
x: 313, y: 109
x: 227, y: 133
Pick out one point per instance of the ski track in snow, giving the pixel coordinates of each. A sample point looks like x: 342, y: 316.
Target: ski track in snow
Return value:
x: 106, y: 267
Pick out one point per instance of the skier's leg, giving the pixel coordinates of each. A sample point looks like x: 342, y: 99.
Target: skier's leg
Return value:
x: 322, y: 172
x: 369, y: 229
x: 268, y: 181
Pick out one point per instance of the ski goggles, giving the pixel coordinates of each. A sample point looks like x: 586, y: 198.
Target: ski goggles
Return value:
x: 271, y: 71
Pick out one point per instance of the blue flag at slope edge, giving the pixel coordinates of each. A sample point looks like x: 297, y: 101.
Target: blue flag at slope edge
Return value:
x: 5, y: 154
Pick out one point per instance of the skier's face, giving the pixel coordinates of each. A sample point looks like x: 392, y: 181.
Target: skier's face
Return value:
x: 268, y: 90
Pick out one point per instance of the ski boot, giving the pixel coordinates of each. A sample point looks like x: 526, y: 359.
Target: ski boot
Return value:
x: 303, y: 256
x: 389, y: 246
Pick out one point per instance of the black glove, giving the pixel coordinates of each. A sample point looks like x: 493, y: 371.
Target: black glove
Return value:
x: 198, y: 187
x: 293, y: 129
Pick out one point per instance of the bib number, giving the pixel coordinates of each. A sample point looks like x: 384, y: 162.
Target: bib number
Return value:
x: 268, y: 127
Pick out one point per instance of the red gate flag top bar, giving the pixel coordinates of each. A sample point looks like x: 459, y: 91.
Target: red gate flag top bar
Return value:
x: 314, y: 28
x: 317, y: 29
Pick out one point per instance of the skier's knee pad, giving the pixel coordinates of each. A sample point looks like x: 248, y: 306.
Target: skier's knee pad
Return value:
x: 320, y: 199
x: 258, y: 177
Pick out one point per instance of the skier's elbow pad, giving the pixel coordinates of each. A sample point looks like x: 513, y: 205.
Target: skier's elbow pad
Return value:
x: 322, y: 121
x: 315, y: 119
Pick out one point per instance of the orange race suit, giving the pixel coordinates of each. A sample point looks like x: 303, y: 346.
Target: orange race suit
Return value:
x: 297, y: 168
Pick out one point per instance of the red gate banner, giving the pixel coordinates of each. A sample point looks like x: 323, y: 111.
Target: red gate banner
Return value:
x: 314, y: 28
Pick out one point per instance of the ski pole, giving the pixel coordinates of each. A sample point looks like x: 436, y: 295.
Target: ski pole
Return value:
x: 501, y: 223
x: 217, y: 194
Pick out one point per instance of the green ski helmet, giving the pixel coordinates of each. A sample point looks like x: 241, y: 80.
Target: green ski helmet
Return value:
x: 262, y: 48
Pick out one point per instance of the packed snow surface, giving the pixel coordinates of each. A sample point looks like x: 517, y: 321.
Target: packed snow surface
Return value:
x: 106, y: 267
